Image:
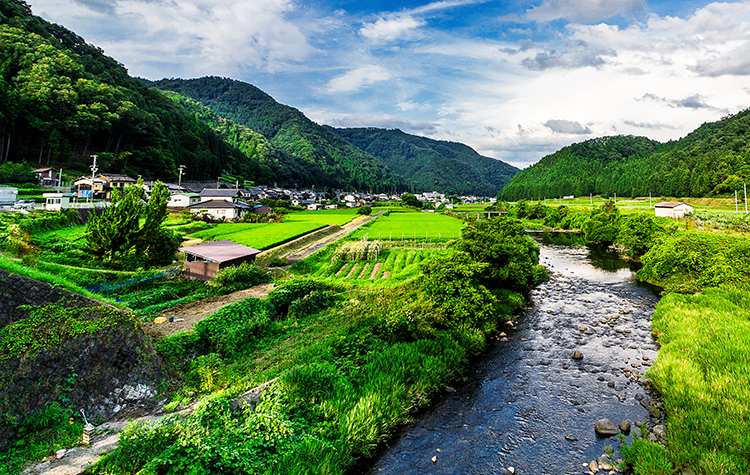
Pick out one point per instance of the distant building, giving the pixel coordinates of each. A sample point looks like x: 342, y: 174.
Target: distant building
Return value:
x: 226, y: 194
x: 57, y: 201
x: 183, y: 200
x: 262, y: 209
x: 314, y: 206
x: 203, y: 261
x: 47, y: 176
x: 672, y: 209
x: 220, y: 208
x: 8, y: 195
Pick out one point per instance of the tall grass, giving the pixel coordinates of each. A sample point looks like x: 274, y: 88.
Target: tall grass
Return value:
x: 703, y: 373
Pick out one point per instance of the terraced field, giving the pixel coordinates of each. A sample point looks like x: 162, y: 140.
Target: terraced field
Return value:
x: 392, y: 267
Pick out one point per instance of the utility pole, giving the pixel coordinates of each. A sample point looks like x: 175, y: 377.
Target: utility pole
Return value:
x: 736, y: 206
x: 591, y: 199
x: 179, y: 179
x: 615, y: 199
x: 744, y: 187
x: 94, y: 169
x: 59, y: 177
x: 649, y: 200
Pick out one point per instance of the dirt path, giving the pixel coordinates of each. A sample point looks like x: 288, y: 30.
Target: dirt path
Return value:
x: 192, y: 312
x: 306, y: 251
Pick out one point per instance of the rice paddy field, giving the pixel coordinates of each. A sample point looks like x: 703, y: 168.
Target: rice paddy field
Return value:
x: 411, y: 226
x: 266, y: 235
x: 392, y: 267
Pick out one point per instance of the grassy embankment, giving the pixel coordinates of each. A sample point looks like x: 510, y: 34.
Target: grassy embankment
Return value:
x: 703, y: 368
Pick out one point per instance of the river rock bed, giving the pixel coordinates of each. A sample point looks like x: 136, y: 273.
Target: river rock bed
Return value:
x: 530, y: 405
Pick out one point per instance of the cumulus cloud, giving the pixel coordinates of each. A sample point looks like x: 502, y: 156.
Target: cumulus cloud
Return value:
x: 390, y: 29
x: 357, y: 79
x: 694, y: 101
x: 566, y: 127
x: 202, y: 36
x: 583, y: 11
x: 387, y: 121
x: 735, y: 63
x: 581, y: 58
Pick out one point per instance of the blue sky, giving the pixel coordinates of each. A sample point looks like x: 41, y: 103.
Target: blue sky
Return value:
x: 516, y: 80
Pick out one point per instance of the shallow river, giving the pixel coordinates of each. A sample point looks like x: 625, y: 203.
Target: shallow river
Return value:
x: 529, y: 404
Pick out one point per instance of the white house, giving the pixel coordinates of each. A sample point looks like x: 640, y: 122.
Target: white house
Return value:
x: 220, y: 208
x: 314, y: 206
x: 56, y: 201
x: 672, y: 209
x: 183, y: 200
x: 226, y: 194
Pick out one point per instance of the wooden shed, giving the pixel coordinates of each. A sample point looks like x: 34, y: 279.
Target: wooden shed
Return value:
x: 203, y: 261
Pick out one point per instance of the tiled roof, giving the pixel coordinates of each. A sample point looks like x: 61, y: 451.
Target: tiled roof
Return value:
x: 223, y: 192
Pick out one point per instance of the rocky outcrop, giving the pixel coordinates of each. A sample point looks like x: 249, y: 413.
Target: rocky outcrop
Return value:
x: 111, y: 371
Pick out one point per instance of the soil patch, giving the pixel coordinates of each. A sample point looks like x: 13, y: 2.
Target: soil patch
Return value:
x: 192, y: 312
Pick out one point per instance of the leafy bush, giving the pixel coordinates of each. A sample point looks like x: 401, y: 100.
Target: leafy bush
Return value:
x: 603, y: 224
x: 311, y: 303
x: 234, y: 278
x: 175, y: 348
x: 251, y: 311
x: 690, y: 261
x: 282, y: 296
x: 639, y: 232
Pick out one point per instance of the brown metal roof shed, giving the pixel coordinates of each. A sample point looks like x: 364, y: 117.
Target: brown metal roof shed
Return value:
x: 203, y: 261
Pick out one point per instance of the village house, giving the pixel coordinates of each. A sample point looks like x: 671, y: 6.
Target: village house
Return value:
x: 672, y: 209
x: 226, y: 194
x: 221, y: 209
x: 47, y: 176
x: 183, y: 200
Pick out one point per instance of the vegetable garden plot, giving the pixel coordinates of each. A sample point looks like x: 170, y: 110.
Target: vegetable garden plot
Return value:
x: 412, y: 226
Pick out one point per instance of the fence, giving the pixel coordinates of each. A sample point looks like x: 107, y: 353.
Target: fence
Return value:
x: 106, y: 287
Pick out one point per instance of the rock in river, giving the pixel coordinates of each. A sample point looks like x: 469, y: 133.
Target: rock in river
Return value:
x: 606, y: 427
x: 625, y: 427
x: 577, y: 355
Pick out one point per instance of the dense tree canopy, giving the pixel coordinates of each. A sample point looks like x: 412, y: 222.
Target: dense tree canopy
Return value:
x: 713, y: 159
x: 433, y: 165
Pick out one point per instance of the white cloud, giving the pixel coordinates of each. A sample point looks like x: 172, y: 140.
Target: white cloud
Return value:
x: 561, y: 126
x: 391, y: 29
x: 201, y: 36
x: 583, y: 11
x: 357, y: 79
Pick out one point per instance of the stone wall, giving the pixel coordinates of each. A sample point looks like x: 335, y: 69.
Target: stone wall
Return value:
x: 112, y: 372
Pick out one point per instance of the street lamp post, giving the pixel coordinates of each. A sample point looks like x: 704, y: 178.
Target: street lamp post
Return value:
x: 94, y: 169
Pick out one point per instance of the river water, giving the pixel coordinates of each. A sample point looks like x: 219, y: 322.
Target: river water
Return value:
x: 529, y: 404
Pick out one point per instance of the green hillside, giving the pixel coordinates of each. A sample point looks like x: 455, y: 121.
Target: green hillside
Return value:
x: 329, y: 159
x: 448, y: 167
x: 713, y: 159
x: 62, y: 100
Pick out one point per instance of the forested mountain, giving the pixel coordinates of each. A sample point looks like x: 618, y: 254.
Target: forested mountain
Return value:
x: 329, y: 159
x: 713, y: 159
x: 274, y: 165
x: 62, y: 100
x: 449, y: 167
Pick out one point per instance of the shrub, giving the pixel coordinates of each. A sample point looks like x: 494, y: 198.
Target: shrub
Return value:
x: 234, y: 278
x: 251, y: 311
x: 690, y: 261
x: 176, y: 348
x: 282, y: 296
x: 311, y: 303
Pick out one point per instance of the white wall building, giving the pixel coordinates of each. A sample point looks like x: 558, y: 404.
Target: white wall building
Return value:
x: 672, y: 209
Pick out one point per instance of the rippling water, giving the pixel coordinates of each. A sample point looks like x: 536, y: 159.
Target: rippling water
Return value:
x: 527, y: 394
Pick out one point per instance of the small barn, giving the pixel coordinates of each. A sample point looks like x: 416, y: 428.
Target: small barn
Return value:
x: 203, y: 261
x: 672, y: 209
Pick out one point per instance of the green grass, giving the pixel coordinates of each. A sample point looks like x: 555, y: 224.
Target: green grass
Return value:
x: 703, y: 373
x: 421, y: 226
x: 56, y: 280
x: 266, y: 235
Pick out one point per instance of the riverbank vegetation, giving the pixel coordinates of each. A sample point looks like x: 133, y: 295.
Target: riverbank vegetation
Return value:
x: 348, y: 364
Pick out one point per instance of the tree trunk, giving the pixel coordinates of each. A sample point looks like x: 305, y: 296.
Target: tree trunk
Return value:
x: 7, y: 149
x: 41, y: 150
x: 117, y: 147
